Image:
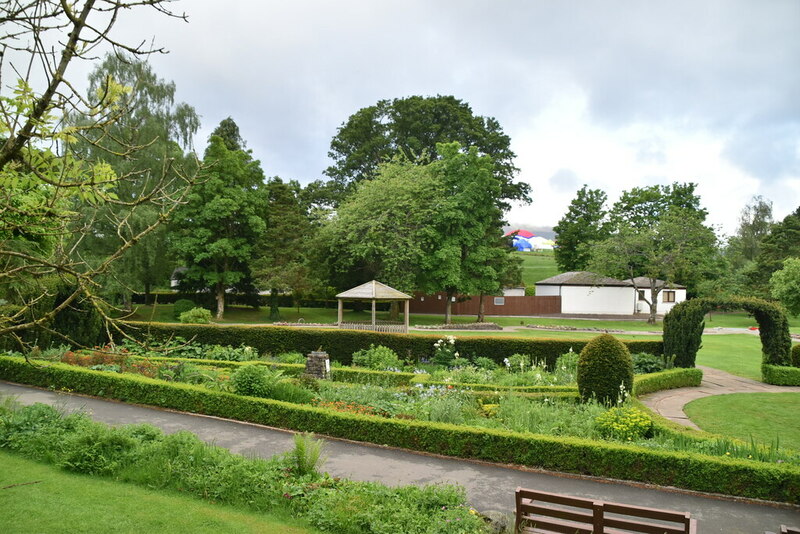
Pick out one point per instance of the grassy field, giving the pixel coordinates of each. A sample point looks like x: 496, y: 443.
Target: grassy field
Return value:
x: 738, y: 354
x: 537, y: 266
x: 47, y: 499
x: 765, y: 416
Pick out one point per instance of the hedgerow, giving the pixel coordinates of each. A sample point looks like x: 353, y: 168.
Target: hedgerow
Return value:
x: 687, y: 470
x: 341, y: 344
x: 780, y: 375
x: 670, y: 379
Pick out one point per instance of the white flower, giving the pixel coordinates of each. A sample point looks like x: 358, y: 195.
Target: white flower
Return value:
x: 505, y: 361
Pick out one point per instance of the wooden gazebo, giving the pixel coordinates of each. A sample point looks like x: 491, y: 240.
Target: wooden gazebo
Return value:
x: 375, y: 291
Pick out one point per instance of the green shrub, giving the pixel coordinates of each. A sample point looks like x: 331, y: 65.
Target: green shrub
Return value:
x: 644, y: 363
x: 518, y: 363
x: 669, y: 379
x: 306, y: 456
x: 288, y: 391
x: 444, y: 351
x: 779, y: 375
x: 796, y: 355
x: 290, y: 357
x: 624, y: 423
x: 254, y: 380
x: 182, y: 306
x: 482, y: 362
x: 195, y: 316
x: 568, y: 363
x: 605, y: 369
x: 378, y: 358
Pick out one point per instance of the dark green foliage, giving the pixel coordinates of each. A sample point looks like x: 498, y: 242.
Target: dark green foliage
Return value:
x: 287, y: 391
x: 644, y: 363
x: 583, y: 224
x: 341, y: 344
x: 254, y: 380
x: 378, y: 358
x: 181, y: 306
x: 683, y: 328
x: 778, y: 482
x: 795, y: 355
x: 780, y: 375
x: 605, y: 370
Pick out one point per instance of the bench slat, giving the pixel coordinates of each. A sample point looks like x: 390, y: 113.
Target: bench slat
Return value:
x: 561, y: 513
x: 641, y: 526
x: 554, y: 498
x: 534, y: 523
x: 649, y: 513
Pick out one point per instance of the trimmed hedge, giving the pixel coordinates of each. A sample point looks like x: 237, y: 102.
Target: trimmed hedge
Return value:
x: 687, y: 470
x: 669, y: 379
x: 341, y: 344
x: 605, y: 368
x: 683, y: 328
x: 780, y: 375
x: 795, y: 355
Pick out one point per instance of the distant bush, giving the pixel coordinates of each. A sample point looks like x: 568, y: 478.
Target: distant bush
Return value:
x: 195, y: 316
x: 796, y: 355
x: 182, y: 306
x: 605, y: 369
x: 379, y: 358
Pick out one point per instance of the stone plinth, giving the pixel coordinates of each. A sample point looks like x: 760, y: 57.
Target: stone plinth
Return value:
x: 318, y: 364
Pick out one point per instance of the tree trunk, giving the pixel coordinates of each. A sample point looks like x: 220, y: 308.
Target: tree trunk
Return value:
x: 481, y: 309
x: 274, y: 311
x: 448, y: 307
x: 147, y: 296
x: 394, y: 311
x: 653, y: 302
x: 127, y: 303
x: 220, y: 300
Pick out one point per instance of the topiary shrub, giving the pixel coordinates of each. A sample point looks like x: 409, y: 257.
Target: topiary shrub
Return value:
x: 182, y: 306
x: 604, y: 369
x: 196, y: 316
x: 796, y: 355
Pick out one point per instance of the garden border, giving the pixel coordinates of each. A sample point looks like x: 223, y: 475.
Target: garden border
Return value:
x: 687, y: 470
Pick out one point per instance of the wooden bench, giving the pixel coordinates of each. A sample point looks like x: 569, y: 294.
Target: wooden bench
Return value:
x: 539, y: 512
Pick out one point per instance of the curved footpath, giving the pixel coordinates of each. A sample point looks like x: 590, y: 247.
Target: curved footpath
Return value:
x: 670, y: 402
x: 489, y: 486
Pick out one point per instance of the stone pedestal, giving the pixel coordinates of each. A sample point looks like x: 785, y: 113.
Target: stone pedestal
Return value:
x: 318, y: 364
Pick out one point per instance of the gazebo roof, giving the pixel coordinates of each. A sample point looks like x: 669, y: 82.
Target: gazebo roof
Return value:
x: 373, y: 290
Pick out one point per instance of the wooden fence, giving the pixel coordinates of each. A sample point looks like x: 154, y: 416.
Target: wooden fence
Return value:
x: 391, y: 328
x: 504, y: 306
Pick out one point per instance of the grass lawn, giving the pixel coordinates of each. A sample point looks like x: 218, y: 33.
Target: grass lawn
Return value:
x: 765, y: 416
x: 65, y: 502
x: 738, y: 354
x: 537, y: 266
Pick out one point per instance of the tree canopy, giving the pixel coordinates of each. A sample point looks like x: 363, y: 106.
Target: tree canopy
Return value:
x: 641, y: 207
x: 585, y: 222
x: 412, y: 127
x: 216, y: 231
x: 785, y: 285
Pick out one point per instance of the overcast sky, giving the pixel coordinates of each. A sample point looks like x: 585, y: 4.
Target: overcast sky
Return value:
x: 614, y: 94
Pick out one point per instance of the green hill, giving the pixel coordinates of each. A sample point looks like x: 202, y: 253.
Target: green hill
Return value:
x: 537, y: 266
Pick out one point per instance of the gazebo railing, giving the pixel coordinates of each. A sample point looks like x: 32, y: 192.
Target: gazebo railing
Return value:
x: 390, y: 327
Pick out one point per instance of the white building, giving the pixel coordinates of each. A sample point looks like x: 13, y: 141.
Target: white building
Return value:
x: 588, y: 293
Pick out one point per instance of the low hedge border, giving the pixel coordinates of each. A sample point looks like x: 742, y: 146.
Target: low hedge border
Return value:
x: 669, y: 379
x: 341, y: 344
x: 681, y: 469
x: 779, y: 375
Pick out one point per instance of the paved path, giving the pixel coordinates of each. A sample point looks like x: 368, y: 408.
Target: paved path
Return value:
x: 489, y: 486
x: 670, y: 402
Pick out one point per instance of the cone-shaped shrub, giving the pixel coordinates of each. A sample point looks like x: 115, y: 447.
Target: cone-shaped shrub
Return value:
x: 605, y: 364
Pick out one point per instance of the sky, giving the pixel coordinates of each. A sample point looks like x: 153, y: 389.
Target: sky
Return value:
x: 612, y: 94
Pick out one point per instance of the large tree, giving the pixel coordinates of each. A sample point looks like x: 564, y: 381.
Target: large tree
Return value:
x: 215, y: 233
x: 45, y: 182
x: 785, y: 285
x: 676, y: 249
x: 782, y: 242
x: 641, y: 207
x: 280, y: 262
x: 163, y: 130
x: 412, y: 127
x: 584, y: 223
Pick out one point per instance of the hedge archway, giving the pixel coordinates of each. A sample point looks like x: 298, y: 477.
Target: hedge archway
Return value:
x: 683, y: 328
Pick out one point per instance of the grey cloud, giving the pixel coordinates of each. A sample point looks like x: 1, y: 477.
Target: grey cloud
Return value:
x: 564, y: 180
x: 769, y: 152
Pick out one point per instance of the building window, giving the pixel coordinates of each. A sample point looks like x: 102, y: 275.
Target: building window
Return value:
x: 669, y: 296
x: 499, y: 301
x: 641, y: 294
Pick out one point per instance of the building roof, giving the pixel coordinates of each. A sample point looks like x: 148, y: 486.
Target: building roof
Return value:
x: 373, y: 290
x: 586, y: 278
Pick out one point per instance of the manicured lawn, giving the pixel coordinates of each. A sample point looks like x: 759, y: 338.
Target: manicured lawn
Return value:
x: 738, y: 354
x: 64, y: 502
x: 537, y: 266
x: 765, y: 416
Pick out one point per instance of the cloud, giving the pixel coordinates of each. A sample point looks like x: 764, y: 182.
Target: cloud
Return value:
x: 564, y: 180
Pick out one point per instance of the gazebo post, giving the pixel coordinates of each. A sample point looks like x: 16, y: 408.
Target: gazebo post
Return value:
x: 405, y: 315
x: 373, y: 313
x: 339, y: 314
